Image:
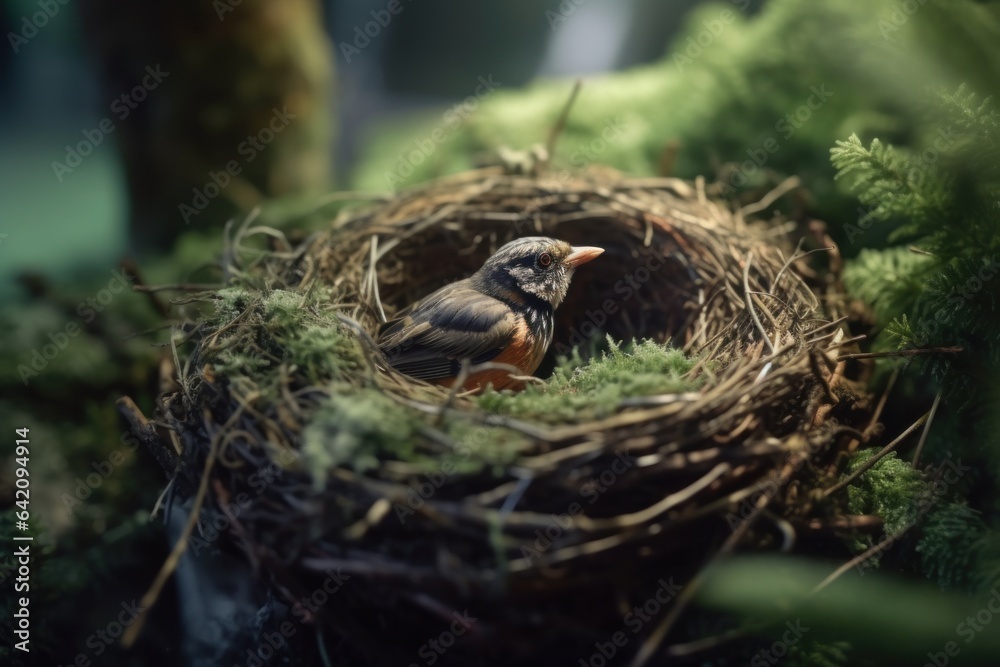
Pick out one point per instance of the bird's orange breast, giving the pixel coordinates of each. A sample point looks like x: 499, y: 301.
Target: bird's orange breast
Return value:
x: 524, y: 352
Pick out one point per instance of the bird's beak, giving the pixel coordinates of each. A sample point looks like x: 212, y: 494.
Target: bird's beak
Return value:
x: 581, y: 255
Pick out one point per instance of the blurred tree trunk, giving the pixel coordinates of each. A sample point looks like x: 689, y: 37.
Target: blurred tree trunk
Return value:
x: 217, y: 105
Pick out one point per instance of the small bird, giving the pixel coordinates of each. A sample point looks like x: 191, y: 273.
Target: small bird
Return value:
x: 501, y: 314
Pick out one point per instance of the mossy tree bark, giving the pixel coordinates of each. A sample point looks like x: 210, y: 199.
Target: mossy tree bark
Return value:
x: 239, y: 110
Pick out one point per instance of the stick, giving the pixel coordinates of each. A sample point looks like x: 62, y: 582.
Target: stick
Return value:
x: 142, y: 427
x: 875, y: 459
x: 903, y: 353
x: 557, y: 129
x: 169, y: 565
x: 927, y: 429
x: 779, y: 191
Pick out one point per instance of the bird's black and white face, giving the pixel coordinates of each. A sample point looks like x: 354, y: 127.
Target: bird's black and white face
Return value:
x: 537, y: 266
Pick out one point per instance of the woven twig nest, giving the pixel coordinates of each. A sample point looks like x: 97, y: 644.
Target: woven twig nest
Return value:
x: 546, y: 531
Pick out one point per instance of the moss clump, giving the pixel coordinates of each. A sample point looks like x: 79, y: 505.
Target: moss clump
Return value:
x: 357, y: 428
x: 258, y: 331
x: 484, y: 448
x: 891, y: 489
x: 577, y: 392
x: 953, y: 537
x: 360, y: 428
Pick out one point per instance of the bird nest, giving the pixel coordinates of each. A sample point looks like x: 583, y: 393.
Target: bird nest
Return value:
x: 546, y: 515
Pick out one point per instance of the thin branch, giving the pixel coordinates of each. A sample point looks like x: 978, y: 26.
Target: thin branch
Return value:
x: 875, y: 459
x: 902, y: 353
x: 557, y: 129
x: 927, y: 429
x: 153, y: 594
x: 779, y: 191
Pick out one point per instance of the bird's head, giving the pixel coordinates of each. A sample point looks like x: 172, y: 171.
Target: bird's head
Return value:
x: 535, y: 266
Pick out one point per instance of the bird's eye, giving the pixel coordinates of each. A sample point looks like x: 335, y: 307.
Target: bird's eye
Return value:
x: 544, y: 259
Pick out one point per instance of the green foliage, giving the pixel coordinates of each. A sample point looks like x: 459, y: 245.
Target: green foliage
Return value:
x: 988, y: 570
x: 576, y: 392
x: 885, y: 619
x: 721, y: 102
x: 944, y: 196
x: 954, y: 545
x: 892, y: 185
x: 948, y: 547
x: 889, y: 280
x: 942, y: 193
x: 891, y: 489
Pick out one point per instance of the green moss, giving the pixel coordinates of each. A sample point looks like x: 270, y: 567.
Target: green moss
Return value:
x: 280, y: 326
x: 322, y: 351
x: 480, y: 448
x: 233, y: 362
x: 891, y: 489
x: 230, y: 302
x: 953, y: 537
x: 357, y: 428
x: 576, y: 392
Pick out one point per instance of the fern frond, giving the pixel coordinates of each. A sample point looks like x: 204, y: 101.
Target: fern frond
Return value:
x: 894, y: 185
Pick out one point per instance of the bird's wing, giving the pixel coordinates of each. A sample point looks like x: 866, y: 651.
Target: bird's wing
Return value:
x: 429, y: 339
